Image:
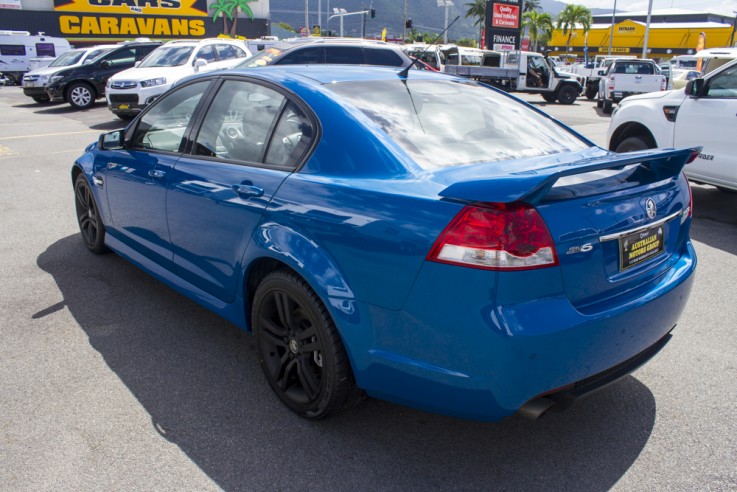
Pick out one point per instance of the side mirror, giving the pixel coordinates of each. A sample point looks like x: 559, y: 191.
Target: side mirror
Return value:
x: 199, y: 63
x: 112, y: 140
x: 137, y: 63
x: 695, y: 88
x: 602, y: 72
x: 105, y: 64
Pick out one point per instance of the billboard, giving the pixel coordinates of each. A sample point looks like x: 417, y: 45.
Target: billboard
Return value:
x: 502, y: 31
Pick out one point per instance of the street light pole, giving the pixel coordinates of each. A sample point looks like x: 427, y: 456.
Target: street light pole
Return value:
x: 611, y: 32
x: 647, y: 28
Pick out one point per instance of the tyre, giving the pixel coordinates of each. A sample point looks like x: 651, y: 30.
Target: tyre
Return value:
x: 591, y: 93
x: 549, y: 96
x: 80, y: 95
x: 606, y: 107
x: 300, y: 350
x: 632, y: 144
x: 567, y: 94
x: 599, y: 103
x: 41, y: 99
x: 88, y: 216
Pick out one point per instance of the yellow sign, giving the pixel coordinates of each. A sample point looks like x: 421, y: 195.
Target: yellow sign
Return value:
x: 130, y: 26
x: 149, y: 7
x: 620, y: 50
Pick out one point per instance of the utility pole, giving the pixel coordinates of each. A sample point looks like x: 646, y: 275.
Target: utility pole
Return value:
x: 404, y: 27
x: 307, y: 16
x: 647, y: 28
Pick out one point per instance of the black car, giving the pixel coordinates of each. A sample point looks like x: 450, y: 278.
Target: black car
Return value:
x: 319, y: 51
x: 80, y: 86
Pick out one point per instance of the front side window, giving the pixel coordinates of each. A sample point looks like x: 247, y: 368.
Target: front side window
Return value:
x: 163, y: 126
x: 238, y: 122
x: 443, y: 123
x: 121, y: 57
x: 724, y: 84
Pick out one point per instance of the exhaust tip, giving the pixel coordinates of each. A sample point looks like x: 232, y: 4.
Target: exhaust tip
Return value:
x: 535, y: 409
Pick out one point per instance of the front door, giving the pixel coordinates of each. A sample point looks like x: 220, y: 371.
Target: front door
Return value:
x: 135, y: 177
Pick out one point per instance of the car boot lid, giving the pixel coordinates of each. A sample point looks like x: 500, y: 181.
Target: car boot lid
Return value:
x: 531, y: 179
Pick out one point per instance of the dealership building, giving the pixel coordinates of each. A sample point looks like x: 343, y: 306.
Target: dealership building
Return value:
x: 85, y: 22
x: 672, y: 32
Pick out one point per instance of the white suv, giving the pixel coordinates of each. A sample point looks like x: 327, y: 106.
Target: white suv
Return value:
x: 130, y: 91
x: 704, y: 114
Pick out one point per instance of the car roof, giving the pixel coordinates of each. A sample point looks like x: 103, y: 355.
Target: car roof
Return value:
x: 325, y: 74
x: 199, y: 42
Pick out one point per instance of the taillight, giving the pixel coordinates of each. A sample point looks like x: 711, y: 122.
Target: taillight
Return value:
x: 496, y: 236
x: 663, y: 84
x: 689, y: 212
x: 611, y: 84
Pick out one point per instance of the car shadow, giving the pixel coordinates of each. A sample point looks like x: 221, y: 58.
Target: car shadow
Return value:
x: 714, y: 217
x: 198, y: 378
x: 110, y: 125
x: 62, y: 108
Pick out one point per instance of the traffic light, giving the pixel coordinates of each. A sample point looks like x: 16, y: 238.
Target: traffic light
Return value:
x: 373, y: 13
x: 408, y: 24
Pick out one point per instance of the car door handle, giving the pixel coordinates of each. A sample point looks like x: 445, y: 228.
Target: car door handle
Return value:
x: 157, y: 174
x: 248, y: 190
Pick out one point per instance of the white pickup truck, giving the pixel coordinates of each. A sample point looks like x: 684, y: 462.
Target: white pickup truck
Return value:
x: 523, y: 71
x: 703, y: 114
x: 627, y: 77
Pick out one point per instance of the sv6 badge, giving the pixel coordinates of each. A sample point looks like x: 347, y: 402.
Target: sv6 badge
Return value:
x: 584, y: 248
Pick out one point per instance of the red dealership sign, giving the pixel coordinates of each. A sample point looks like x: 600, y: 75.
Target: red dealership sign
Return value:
x: 504, y: 15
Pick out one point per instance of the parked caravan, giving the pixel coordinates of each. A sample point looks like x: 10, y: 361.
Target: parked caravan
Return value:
x: 18, y: 48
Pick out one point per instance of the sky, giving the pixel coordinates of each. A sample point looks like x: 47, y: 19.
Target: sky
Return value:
x: 726, y: 7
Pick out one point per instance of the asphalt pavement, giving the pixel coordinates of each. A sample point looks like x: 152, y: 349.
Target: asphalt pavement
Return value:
x: 111, y: 381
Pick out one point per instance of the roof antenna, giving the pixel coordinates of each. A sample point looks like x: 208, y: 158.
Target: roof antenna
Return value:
x: 405, y: 71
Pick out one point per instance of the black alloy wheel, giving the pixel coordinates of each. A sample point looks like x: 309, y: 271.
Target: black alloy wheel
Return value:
x: 88, y: 216
x: 299, y: 347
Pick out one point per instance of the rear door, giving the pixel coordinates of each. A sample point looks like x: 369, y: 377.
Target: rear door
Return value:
x: 250, y: 139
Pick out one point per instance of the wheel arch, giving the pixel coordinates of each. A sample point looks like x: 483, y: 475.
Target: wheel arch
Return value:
x: 632, y: 129
x: 275, y: 247
x: 89, y: 84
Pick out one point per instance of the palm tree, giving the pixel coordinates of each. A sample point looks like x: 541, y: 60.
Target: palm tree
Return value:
x: 571, y: 17
x: 539, y: 25
x: 223, y: 8
x: 531, y: 6
x: 243, y: 6
x: 477, y: 10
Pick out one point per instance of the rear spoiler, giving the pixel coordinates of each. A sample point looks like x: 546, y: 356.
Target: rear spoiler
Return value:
x: 532, y: 185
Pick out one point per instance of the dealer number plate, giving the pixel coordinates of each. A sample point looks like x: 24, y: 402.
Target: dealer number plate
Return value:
x: 640, y: 246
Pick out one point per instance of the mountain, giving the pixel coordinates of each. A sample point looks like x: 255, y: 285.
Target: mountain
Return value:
x: 425, y: 14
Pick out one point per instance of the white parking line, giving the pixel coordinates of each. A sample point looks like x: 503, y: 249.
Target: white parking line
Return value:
x: 48, y: 135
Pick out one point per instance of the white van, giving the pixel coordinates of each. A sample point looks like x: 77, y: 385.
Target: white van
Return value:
x: 17, y: 48
x: 130, y: 91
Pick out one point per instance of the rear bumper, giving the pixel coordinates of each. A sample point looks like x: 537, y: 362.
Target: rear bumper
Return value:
x: 450, y: 351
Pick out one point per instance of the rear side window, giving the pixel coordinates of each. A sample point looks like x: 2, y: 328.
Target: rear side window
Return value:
x: 228, y: 52
x: 45, y: 49
x: 305, y: 56
x: 12, y: 50
x: 122, y: 57
x: 391, y: 58
x: 206, y: 53
x: 344, y: 55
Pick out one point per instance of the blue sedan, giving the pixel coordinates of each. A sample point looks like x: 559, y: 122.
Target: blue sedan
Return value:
x: 411, y: 236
